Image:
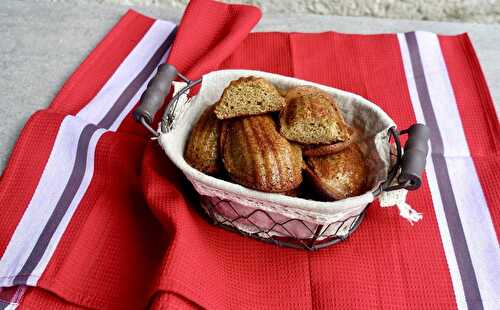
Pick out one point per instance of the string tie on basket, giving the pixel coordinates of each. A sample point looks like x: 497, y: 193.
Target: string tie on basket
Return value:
x: 398, y: 198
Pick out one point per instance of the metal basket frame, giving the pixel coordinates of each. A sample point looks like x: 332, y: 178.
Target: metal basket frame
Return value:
x: 311, y: 244
x: 404, y: 173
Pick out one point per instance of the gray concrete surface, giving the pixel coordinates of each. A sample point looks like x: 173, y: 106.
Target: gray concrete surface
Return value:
x: 41, y: 43
x: 481, y: 11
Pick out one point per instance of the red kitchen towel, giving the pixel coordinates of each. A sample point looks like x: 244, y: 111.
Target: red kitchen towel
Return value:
x: 94, y: 215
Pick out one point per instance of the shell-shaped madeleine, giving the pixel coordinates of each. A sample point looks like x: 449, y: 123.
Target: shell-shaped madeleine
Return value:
x: 257, y: 156
x: 338, y: 175
x: 311, y: 116
x: 248, y: 96
x: 202, y: 148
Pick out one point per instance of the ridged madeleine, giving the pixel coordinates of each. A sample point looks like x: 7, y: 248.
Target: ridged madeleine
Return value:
x: 339, y: 175
x: 311, y: 116
x: 202, y: 150
x: 257, y: 156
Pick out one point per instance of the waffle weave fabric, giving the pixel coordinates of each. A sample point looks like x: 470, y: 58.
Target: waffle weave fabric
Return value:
x: 94, y: 215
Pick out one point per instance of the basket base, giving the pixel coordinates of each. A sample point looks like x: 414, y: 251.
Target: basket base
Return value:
x: 321, y: 238
x: 290, y: 242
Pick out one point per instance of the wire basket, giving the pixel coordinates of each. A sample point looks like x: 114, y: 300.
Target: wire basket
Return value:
x: 278, y: 219
x: 277, y: 232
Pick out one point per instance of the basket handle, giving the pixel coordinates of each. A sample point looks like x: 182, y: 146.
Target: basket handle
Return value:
x: 414, y: 157
x: 155, y: 93
x: 411, y: 163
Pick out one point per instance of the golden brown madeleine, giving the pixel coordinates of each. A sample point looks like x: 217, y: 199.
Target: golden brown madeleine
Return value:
x: 257, y: 156
x: 202, y: 150
x: 339, y: 175
x: 327, y: 149
x: 248, y: 96
x: 311, y: 116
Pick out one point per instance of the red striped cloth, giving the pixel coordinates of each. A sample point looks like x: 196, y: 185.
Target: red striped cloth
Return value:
x: 94, y: 215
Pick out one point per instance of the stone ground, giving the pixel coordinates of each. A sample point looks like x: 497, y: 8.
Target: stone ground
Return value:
x: 476, y: 11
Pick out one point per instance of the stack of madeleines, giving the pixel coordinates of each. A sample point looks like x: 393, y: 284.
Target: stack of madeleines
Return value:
x: 264, y: 138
